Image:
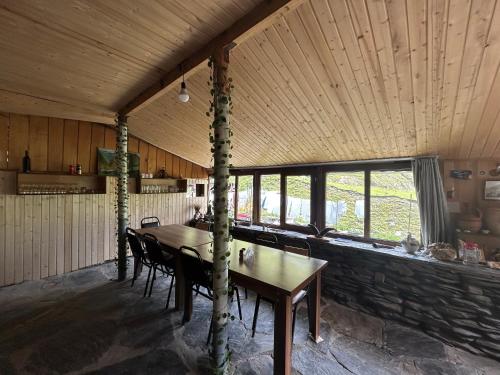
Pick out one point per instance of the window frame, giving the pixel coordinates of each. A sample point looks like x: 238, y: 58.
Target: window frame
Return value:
x: 318, y: 191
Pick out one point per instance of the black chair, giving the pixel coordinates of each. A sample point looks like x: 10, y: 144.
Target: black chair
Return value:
x: 161, y: 260
x: 303, y: 250
x: 199, y: 274
x: 140, y: 257
x: 150, y: 222
x: 267, y: 239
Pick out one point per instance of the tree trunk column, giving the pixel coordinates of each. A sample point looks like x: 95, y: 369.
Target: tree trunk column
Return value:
x: 221, y: 153
x: 122, y: 193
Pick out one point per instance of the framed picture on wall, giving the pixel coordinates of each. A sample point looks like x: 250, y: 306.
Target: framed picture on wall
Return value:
x: 106, y: 163
x: 492, y: 190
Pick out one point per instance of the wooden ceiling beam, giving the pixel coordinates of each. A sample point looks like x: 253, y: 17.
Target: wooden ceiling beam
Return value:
x: 256, y: 20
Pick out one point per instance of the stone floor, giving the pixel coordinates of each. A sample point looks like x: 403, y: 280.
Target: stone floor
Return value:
x: 84, y: 323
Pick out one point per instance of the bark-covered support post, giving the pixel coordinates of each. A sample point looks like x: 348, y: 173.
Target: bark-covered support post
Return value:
x: 122, y: 193
x: 221, y: 146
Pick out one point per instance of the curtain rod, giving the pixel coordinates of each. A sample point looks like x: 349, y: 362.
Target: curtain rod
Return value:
x: 327, y: 163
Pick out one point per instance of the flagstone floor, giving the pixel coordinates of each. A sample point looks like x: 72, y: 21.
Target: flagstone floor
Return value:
x: 85, y: 323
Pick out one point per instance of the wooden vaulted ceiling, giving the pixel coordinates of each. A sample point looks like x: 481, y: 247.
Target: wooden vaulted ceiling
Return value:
x: 330, y: 80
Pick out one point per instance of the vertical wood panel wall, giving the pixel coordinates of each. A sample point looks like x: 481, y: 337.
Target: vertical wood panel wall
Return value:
x: 46, y: 235
x: 55, y: 143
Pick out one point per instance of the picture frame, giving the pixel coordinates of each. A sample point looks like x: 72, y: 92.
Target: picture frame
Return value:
x: 492, y: 190
x: 106, y: 163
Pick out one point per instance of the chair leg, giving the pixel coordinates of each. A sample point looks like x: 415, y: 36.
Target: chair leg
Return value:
x: 197, y: 290
x: 239, y: 304
x: 294, y: 315
x: 152, y: 281
x: 246, y: 293
x: 210, y: 329
x: 170, y: 291
x: 147, y: 282
x: 136, y: 267
x: 255, y: 315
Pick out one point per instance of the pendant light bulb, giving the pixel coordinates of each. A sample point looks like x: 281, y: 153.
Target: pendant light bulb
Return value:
x: 183, y: 94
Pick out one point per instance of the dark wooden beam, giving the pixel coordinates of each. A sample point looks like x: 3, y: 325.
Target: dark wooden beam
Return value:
x: 256, y: 20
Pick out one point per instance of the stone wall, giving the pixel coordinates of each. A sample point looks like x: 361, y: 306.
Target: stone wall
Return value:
x: 456, y: 303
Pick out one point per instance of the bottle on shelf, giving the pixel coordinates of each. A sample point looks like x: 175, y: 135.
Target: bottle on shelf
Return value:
x: 26, y: 163
x: 79, y: 169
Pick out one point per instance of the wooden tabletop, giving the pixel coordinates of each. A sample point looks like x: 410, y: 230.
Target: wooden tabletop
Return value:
x: 177, y: 235
x: 282, y: 271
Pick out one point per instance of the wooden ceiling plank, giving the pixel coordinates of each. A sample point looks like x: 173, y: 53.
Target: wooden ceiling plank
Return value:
x: 237, y: 32
x: 457, y: 31
x: 475, y: 46
x: 330, y: 125
x: 348, y: 44
x: 324, y: 21
x: 485, y: 89
x: 398, y: 25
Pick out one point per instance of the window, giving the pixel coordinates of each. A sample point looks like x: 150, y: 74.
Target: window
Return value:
x: 230, y: 194
x: 298, y: 200
x: 345, y: 202
x: 245, y: 198
x: 393, y: 205
x: 270, y: 198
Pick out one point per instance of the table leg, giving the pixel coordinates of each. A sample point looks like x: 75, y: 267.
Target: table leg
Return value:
x: 283, y: 336
x: 314, y: 308
x: 188, y: 301
x: 179, y: 284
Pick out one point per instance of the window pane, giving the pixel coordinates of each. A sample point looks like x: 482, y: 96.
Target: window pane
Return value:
x: 394, y: 210
x: 230, y: 195
x: 298, y: 200
x: 345, y: 202
x: 245, y: 198
x: 270, y: 198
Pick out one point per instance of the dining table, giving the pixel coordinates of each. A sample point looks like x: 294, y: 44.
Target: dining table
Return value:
x: 275, y: 274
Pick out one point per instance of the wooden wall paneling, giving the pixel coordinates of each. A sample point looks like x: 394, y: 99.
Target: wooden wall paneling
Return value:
x: 97, y: 142
x: 37, y: 236
x: 18, y: 238
x: 110, y: 138
x: 56, y: 145
x: 175, y: 166
x: 133, y: 144
x: 82, y: 246
x: 2, y: 239
x: 88, y: 229
x: 18, y: 140
x: 84, y: 144
x: 38, y: 142
x: 4, y: 140
x: 44, y: 251
x: 106, y: 227
x: 143, y: 151
x: 168, y: 164
x: 9, y: 239
x: 160, y: 159
x: 182, y: 168
x: 70, y: 144
x: 28, y: 238
x: 60, y: 243
x: 75, y: 233
x: 152, y: 154
x: 189, y: 170
x: 68, y: 239
x: 53, y: 234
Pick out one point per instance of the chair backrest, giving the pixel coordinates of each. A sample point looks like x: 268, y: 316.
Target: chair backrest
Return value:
x: 194, y: 268
x: 202, y: 225
x: 155, y: 250
x: 135, y: 243
x: 150, y: 222
x: 268, y: 239
x: 297, y: 250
